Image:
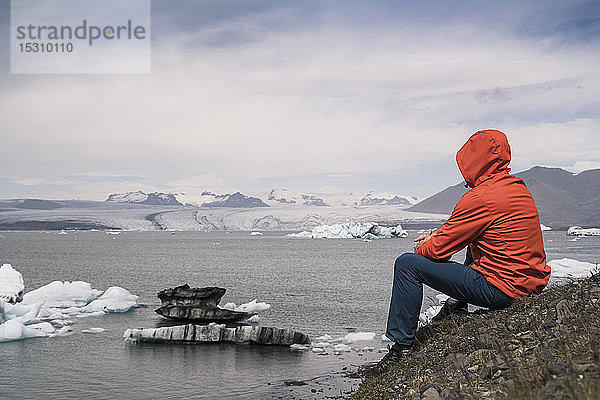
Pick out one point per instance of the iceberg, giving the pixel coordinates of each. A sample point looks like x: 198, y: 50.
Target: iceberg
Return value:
x: 566, y: 268
x: 352, y: 230
x: 579, y: 231
x: 256, y: 234
x: 114, y: 299
x: 59, y: 294
x: 53, y: 304
x: 11, y: 284
x: 545, y: 228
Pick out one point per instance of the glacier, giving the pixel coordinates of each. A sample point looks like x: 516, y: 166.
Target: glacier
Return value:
x: 351, y: 230
x: 46, y: 311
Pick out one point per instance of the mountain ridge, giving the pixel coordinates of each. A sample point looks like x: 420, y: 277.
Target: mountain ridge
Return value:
x: 563, y: 198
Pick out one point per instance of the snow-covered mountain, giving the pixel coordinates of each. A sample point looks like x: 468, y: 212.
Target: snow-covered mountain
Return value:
x: 236, y: 200
x: 285, y: 196
x: 280, y: 196
x: 387, y: 199
x: 277, y: 197
x: 204, y: 199
x: 139, y: 197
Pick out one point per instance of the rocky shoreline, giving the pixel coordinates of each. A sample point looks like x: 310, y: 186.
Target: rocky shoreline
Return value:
x: 542, y: 347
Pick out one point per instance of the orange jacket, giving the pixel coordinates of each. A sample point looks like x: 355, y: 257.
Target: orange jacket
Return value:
x: 497, y: 219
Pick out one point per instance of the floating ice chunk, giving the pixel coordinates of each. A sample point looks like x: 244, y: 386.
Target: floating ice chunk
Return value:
x: 45, y: 327
x: 25, y: 313
x: 350, y: 229
x: 358, y: 336
x: 256, y: 233
x: 61, y: 322
x: 299, y: 347
x: 575, y: 239
x: 14, y: 329
x: 229, y: 306
x: 566, y: 268
x: 11, y: 284
x: 93, y: 330
x: 217, y: 326
x: 324, y: 338
x: 255, y: 319
x: 64, y: 331
x: 63, y: 294
x: 317, y: 350
x: 252, y: 307
x: 545, y: 228
x: 90, y: 314
x: 321, y: 344
x: 114, y: 299
x: 341, y: 347
x: 579, y: 231
x: 303, y: 234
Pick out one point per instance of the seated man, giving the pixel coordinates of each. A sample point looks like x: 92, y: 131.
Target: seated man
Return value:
x: 498, y: 221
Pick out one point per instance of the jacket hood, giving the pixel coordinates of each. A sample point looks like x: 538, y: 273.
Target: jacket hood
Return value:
x: 485, y: 154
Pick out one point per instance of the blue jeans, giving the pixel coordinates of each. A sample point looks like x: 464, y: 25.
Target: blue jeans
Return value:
x: 458, y: 281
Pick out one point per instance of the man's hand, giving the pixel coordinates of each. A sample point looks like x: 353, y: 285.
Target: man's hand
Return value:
x: 423, y: 238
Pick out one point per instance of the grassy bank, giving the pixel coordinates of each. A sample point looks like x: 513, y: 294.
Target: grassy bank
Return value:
x: 542, y: 347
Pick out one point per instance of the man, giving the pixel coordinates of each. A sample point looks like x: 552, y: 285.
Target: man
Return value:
x: 498, y: 221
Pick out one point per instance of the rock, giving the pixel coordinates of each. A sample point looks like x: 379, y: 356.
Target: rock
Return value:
x: 196, y: 304
x: 293, y: 382
x: 557, y: 368
x: 216, y: 333
x: 430, y: 392
x: 582, y: 367
x: 563, y: 311
x: 484, y: 341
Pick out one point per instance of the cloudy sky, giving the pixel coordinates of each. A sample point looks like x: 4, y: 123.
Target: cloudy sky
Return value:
x: 317, y: 96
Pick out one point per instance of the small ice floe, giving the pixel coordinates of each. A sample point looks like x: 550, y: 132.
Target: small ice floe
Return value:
x: 113, y: 232
x: 93, y: 330
x: 324, y: 338
x: 317, y: 350
x: 299, y: 347
x: 64, y: 331
x: 62, y: 232
x: 545, y: 228
x: 579, y: 231
x: 358, y: 337
x: 342, y: 348
x: 90, y: 314
x: 566, y: 268
x: 11, y: 284
x: 255, y: 319
x: 256, y: 233
x: 251, y: 307
x: 217, y: 326
x: 352, y: 230
x: 575, y: 239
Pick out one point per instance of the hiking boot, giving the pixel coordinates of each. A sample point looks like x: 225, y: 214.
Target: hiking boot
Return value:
x: 395, y: 353
x: 451, y: 307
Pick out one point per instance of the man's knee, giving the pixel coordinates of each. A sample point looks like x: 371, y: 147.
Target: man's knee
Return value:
x: 406, y: 261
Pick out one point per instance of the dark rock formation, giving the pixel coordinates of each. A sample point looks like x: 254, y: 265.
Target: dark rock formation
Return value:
x: 196, y: 304
x: 213, y: 333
